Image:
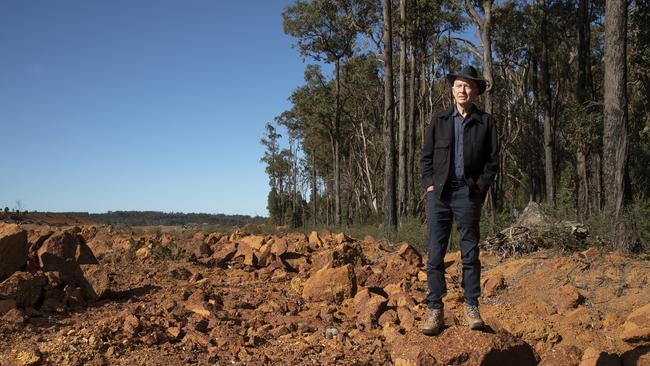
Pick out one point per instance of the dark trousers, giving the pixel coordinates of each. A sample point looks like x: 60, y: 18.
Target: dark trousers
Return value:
x: 465, y: 206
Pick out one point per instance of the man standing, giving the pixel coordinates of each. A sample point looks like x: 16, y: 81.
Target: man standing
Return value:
x: 459, y: 162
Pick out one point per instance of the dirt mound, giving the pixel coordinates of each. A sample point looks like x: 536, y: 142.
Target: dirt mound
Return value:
x: 534, y: 230
x: 233, y: 298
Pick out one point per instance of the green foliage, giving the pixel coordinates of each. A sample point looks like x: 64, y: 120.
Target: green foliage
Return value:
x: 171, y: 252
x: 637, y: 225
x: 324, y: 29
x: 639, y: 111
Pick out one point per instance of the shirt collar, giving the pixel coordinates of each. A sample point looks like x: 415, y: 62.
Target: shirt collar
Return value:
x: 473, y: 113
x: 456, y: 113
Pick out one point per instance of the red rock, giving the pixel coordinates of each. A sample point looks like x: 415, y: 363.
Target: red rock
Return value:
x: 223, y: 253
x: 388, y: 317
x: 279, y: 246
x: 246, y: 251
x: 296, y: 261
x: 83, y: 253
x: 96, y: 282
x: 194, y: 337
x: 28, y: 356
x: 197, y: 303
x: 213, y: 238
x: 6, y: 305
x: 36, y: 238
x: 254, y: 241
x: 369, y: 307
x: 315, y: 240
x: 60, y: 252
x: 594, y: 357
x: 131, y: 325
x: 265, y: 257
x: 568, y: 298
x: 460, y: 345
x: 636, y: 328
x: 409, y: 254
x: 143, y: 253
x: 174, y: 332
x: 341, y: 238
x: 330, y: 284
x: 562, y: 356
x: 492, y: 284
x: 23, y: 287
x: 13, y: 249
x: 15, y: 316
x: 202, y: 250
x: 406, y: 318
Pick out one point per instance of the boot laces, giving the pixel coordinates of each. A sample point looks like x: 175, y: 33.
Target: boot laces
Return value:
x: 472, y: 311
x: 434, y: 314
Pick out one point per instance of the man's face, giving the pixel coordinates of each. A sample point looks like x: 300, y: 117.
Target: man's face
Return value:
x: 464, y: 91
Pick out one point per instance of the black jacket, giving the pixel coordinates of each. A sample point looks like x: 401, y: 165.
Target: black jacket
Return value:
x: 480, y: 151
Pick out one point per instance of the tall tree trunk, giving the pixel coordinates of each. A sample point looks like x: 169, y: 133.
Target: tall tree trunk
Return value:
x: 595, y: 183
x: 401, y: 138
x: 615, y: 139
x: 410, y: 173
x: 390, y: 209
x: 549, y: 131
x: 314, y: 192
x: 583, y: 91
x: 337, y: 147
x: 484, y: 32
x: 422, y: 96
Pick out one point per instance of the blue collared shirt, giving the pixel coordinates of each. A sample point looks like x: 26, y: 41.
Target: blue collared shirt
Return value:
x: 457, y: 160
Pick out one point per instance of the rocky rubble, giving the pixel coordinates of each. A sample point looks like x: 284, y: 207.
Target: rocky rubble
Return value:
x: 52, y: 273
x: 234, y: 298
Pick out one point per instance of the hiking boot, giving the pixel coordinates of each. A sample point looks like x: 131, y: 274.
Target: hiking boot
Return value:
x: 473, y: 317
x: 435, y: 322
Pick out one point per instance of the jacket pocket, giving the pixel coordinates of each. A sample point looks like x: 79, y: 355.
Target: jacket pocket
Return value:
x: 440, y: 153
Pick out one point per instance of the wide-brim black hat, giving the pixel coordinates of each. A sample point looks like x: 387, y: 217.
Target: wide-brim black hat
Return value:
x: 470, y: 73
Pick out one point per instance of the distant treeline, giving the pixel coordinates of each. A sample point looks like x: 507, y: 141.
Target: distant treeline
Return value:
x: 148, y: 218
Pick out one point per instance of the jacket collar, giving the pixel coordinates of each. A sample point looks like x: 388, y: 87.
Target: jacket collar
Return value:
x: 475, y: 114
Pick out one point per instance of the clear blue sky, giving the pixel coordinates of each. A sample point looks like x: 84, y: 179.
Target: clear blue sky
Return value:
x: 140, y: 104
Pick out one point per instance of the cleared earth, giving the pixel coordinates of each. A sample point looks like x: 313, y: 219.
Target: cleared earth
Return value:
x: 90, y: 295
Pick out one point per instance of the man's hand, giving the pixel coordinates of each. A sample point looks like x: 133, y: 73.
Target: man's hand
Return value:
x: 430, y: 188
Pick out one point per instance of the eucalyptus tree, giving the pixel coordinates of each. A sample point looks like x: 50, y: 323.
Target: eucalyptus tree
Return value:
x: 639, y: 80
x: 313, y: 109
x: 325, y: 30
x: 402, y: 127
x: 615, y: 135
x: 390, y: 204
x: 482, y: 18
x: 277, y: 168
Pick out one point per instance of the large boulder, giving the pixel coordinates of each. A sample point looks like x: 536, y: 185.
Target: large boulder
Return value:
x: 330, y: 284
x: 461, y: 346
x: 13, y: 249
x: 63, y: 252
